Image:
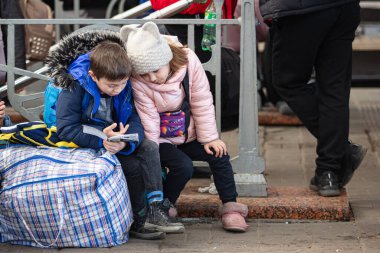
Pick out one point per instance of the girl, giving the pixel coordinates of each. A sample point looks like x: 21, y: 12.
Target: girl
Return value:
x: 173, y: 99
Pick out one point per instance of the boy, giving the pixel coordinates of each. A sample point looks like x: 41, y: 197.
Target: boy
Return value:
x: 99, y: 94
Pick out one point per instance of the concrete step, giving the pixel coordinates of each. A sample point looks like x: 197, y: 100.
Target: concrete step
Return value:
x: 288, y: 203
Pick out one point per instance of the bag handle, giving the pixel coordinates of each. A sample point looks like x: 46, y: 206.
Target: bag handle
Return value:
x: 61, y: 221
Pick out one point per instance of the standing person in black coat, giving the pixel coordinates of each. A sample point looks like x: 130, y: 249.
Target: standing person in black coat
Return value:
x: 319, y: 34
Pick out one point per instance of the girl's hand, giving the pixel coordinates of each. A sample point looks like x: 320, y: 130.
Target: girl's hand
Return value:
x: 2, y: 109
x: 114, y: 147
x: 217, y: 148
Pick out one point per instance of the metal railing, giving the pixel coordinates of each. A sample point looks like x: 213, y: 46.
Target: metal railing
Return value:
x: 248, y: 166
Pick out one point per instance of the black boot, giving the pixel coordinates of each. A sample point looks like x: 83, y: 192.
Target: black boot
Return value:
x: 158, y: 219
x: 354, y: 156
x: 325, y: 184
x: 139, y: 231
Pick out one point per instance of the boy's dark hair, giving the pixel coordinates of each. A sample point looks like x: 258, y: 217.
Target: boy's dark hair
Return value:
x: 109, y: 60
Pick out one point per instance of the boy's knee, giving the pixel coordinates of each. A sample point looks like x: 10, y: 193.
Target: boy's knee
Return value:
x: 149, y: 146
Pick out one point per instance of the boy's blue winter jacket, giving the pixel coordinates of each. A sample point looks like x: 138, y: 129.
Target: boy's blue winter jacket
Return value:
x: 79, y: 92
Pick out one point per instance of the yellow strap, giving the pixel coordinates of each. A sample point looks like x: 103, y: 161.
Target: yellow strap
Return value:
x: 66, y: 144
x: 6, y: 137
x: 17, y: 141
x: 31, y: 140
x: 37, y: 126
x: 60, y: 143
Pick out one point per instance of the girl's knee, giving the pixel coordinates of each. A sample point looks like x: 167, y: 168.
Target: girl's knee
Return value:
x: 188, y: 171
x: 185, y: 169
x: 219, y: 160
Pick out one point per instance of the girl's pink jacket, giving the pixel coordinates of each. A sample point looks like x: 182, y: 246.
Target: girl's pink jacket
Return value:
x: 152, y: 99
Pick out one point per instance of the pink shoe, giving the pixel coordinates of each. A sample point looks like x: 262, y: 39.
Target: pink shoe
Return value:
x: 233, y: 215
x: 173, y: 212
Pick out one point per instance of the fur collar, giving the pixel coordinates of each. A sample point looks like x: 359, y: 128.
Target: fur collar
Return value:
x: 69, y: 48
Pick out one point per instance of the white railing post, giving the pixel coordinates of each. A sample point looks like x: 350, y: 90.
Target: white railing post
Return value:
x: 249, y: 166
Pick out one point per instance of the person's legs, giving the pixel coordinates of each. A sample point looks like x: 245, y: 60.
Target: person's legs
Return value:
x: 333, y: 75
x: 149, y: 158
x: 180, y: 170
x: 232, y: 213
x: 295, y: 43
x: 220, y: 167
x: 149, y: 161
x: 293, y: 59
x: 134, y: 176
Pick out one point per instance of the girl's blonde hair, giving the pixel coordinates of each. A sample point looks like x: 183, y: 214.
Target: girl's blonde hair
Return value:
x: 180, y: 58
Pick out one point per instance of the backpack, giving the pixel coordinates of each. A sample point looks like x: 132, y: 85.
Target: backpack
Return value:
x: 38, y: 38
x: 51, y: 96
x: 57, y: 197
x: 230, y: 85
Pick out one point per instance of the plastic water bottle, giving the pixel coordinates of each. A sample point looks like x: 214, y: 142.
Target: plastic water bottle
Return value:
x: 209, y: 30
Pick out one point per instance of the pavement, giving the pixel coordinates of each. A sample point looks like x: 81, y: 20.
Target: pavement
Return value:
x: 289, y: 152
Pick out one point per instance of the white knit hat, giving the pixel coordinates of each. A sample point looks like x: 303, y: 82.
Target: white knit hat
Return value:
x: 147, y: 49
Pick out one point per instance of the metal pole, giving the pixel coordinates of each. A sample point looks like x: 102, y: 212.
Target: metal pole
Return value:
x: 135, y: 11
x: 249, y: 166
x: 76, y: 12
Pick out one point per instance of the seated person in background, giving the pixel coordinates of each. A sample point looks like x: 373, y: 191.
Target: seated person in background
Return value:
x: 96, y: 92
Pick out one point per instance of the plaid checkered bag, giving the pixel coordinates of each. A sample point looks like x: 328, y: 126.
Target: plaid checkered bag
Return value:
x: 57, y: 197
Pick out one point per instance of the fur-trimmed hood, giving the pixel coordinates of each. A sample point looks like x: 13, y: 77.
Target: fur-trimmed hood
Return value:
x: 72, y: 46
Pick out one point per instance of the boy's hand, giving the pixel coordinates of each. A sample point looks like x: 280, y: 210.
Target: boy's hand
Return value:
x: 114, y: 147
x: 217, y: 148
x: 109, y: 130
x: 2, y: 109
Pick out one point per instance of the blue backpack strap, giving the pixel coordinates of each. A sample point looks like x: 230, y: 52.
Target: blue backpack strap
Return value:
x: 51, y: 95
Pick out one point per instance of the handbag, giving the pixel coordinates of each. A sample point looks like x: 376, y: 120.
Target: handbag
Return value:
x: 176, y: 124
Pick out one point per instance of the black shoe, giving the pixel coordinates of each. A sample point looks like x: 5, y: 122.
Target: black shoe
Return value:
x: 146, y: 233
x: 353, y: 158
x: 140, y: 232
x: 326, y: 184
x: 158, y: 219
x: 284, y: 108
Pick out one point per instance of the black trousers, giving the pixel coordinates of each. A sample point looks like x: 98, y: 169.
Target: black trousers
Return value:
x: 143, y: 172
x: 178, y: 159
x: 322, y: 40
